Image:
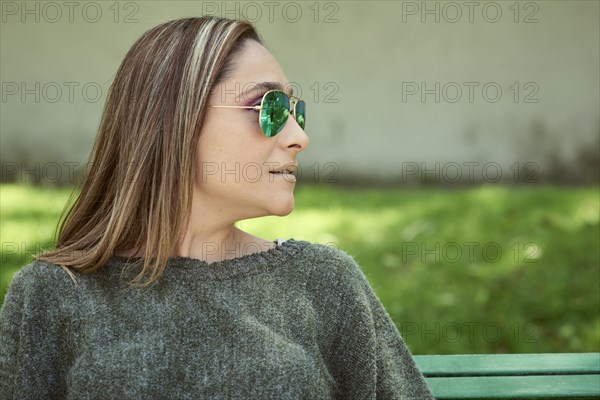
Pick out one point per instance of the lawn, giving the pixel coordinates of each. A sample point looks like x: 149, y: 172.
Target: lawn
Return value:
x: 488, y: 269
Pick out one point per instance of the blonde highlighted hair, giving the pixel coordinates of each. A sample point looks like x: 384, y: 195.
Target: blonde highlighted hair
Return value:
x: 137, y: 190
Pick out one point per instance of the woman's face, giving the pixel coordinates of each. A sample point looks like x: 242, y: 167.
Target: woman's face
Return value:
x: 234, y: 157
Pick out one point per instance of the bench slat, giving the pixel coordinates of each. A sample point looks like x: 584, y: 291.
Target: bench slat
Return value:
x: 544, y: 386
x: 508, y: 364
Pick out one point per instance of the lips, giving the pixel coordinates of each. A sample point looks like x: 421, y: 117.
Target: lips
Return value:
x: 288, y: 169
x: 284, y: 172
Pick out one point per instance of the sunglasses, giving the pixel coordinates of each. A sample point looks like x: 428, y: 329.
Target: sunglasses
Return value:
x: 275, y: 107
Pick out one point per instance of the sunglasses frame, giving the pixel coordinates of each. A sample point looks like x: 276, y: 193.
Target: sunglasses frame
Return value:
x: 293, y: 100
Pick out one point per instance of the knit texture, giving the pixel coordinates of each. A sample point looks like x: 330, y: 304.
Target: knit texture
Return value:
x: 298, y: 321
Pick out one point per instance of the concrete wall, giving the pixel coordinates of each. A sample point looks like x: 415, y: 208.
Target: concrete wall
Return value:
x: 393, y: 94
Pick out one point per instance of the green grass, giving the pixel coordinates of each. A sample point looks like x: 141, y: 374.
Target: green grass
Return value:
x: 526, y: 279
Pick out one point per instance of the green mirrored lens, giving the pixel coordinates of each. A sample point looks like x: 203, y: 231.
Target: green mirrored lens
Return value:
x: 301, y: 113
x: 274, y: 113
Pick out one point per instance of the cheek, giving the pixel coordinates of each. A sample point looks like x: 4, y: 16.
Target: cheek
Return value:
x: 234, y: 161
x: 230, y: 127
x: 233, y: 144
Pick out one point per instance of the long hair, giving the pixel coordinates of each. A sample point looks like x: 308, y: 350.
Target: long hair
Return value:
x: 138, y: 187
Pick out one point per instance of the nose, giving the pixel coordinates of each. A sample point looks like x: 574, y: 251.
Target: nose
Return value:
x: 293, y: 136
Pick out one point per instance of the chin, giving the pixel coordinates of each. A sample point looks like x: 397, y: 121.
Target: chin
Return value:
x: 283, y: 208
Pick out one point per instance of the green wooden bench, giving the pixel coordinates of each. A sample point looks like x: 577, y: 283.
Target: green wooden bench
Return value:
x: 512, y: 376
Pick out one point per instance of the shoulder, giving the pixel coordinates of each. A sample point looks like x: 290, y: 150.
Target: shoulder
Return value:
x: 37, y: 295
x: 323, y: 254
x: 37, y: 269
x: 331, y: 265
x: 40, y: 279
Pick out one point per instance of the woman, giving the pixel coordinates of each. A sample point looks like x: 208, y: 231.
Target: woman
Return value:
x: 165, y: 297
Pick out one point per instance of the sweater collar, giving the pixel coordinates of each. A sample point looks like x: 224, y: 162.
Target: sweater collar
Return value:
x: 245, y: 265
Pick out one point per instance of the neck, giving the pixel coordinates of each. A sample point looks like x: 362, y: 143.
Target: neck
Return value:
x: 210, y: 245
x: 210, y: 237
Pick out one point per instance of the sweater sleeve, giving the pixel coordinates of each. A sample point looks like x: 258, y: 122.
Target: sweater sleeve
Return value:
x: 371, y: 358
x: 33, y: 360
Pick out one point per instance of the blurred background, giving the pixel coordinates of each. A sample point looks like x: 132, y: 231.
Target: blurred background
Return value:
x: 454, y: 150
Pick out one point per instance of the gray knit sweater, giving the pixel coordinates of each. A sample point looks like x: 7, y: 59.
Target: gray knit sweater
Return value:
x: 298, y: 321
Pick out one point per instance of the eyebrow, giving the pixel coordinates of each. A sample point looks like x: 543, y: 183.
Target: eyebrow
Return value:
x: 266, y: 86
